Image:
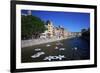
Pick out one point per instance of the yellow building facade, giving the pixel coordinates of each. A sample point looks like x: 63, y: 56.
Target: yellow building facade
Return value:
x: 50, y: 28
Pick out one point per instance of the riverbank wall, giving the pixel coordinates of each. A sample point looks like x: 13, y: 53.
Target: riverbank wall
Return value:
x: 32, y: 42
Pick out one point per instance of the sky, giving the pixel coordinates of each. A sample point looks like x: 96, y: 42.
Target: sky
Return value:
x: 71, y: 21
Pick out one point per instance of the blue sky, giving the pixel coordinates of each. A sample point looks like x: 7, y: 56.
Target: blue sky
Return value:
x: 71, y: 21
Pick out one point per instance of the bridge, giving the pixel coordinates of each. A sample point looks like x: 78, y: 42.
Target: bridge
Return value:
x: 74, y: 34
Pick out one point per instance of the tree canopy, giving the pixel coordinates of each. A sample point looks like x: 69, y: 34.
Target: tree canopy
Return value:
x: 31, y: 26
x: 86, y: 34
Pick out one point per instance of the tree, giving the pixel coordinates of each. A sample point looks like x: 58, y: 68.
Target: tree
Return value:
x: 31, y: 26
x: 86, y: 34
x: 83, y: 30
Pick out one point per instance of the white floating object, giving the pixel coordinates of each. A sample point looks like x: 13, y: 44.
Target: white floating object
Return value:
x: 56, y: 47
x: 75, y: 48
x: 54, y: 57
x: 62, y: 49
x: 48, y: 45
x: 59, y: 57
x: 37, y: 49
x: 37, y: 54
x: 47, y: 58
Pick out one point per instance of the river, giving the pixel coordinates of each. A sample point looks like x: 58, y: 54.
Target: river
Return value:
x: 71, y: 49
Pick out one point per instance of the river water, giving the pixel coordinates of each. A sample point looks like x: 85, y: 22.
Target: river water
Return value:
x: 71, y: 49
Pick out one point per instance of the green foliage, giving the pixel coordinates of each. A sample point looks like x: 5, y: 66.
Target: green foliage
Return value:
x: 31, y: 26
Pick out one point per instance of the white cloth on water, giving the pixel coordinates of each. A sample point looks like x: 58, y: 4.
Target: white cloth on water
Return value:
x: 37, y: 54
x: 59, y: 57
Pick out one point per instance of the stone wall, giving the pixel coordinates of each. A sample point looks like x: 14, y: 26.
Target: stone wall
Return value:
x: 32, y: 42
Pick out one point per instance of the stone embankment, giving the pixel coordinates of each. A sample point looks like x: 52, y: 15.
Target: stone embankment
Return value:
x: 32, y: 42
